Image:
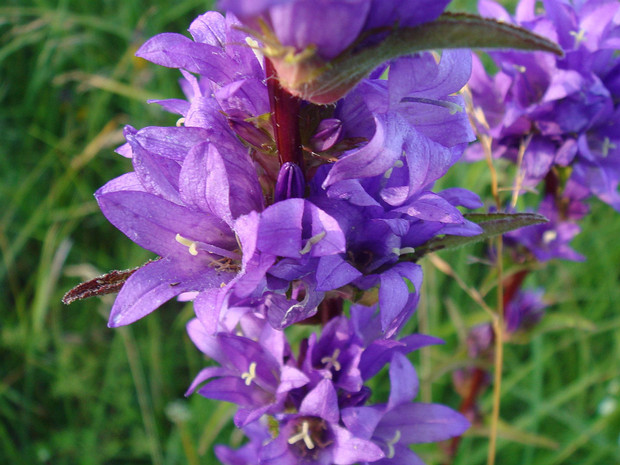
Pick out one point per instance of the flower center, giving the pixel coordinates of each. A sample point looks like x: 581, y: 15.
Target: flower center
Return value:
x: 311, y: 436
x: 195, y: 246
x: 249, y: 375
x: 332, y: 361
x: 579, y: 36
x: 303, y: 435
x: 549, y: 236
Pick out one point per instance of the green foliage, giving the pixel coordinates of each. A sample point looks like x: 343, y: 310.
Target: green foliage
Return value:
x: 74, y: 392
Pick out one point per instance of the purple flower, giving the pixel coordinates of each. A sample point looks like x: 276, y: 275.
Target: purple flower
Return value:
x: 314, y: 435
x: 548, y: 240
x: 252, y: 373
x: 414, y: 127
x: 190, y: 224
x: 524, y: 310
x: 400, y: 422
x: 561, y: 111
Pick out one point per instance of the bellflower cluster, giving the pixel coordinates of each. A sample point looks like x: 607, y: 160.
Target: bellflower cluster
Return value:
x: 311, y: 408
x: 559, y: 118
x: 232, y: 227
x: 266, y: 208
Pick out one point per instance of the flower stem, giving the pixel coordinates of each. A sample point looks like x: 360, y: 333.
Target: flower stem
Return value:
x: 285, y: 118
x: 498, y: 329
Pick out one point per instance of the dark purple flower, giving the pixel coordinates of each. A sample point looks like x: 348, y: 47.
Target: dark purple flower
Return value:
x: 524, y: 310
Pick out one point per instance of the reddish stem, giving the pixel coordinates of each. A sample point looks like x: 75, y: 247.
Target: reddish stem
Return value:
x: 285, y: 119
x: 512, y: 284
x: 476, y: 384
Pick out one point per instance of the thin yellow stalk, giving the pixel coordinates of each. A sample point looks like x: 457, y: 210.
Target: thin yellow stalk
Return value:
x: 498, y: 330
x: 520, y: 175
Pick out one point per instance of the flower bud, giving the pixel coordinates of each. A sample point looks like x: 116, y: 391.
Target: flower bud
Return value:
x: 290, y: 183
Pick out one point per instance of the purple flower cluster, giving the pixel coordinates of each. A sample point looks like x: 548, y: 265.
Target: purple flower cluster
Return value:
x: 311, y: 408
x: 234, y: 228
x: 558, y: 117
x: 266, y: 210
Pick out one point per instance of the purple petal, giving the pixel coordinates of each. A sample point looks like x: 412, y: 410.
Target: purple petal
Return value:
x: 403, y: 381
x: 374, y: 158
x: 177, y: 51
x: 125, y: 182
x: 333, y: 272
x: 204, y: 340
x: 297, y: 24
x: 326, y: 236
x: 291, y: 378
x: 279, y: 232
x: 209, y: 28
x: 158, y: 175
x: 461, y: 197
x: 154, y: 223
x: 348, y: 449
x: 233, y: 389
x: 156, y: 283
x: 362, y: 421
x: 432, y: 207
x: 420, y: 423
x: 204, y: 182
x: 409, y: 13
x: 170, y: 142
x: 322, y: 402
x: 206, y: 374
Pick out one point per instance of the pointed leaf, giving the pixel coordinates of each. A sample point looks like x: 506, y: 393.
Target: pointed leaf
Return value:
x: 449, y: 31
x: 493, y: 224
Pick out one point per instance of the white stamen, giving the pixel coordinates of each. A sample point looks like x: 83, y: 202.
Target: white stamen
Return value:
x: 180, y: 122
x: 250, y: 374
x: 390, y: 445
x: 607, y: 144
x: 549, y: 236
x: 397, y: 251
x: 191, y: 245
x: 303, y: 435
x: 313, y: 240
x: 579, y: 36
x: 332, y: 361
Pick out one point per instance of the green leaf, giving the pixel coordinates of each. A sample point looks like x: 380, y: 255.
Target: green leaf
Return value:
x: 449, y: 31
x: 493, y: 224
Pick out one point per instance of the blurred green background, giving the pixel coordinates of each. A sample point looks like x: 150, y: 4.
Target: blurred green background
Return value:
x: 73, y: 391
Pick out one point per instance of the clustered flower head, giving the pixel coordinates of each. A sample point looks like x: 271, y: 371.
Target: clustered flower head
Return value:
x: 557, y: 117
x: 266, y: 208
x: 260, y: 233
x: 237, y: 226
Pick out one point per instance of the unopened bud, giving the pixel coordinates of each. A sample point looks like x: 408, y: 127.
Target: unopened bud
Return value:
x: 290, y: 184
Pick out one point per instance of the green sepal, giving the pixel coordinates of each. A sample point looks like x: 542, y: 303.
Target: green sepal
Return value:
x: 325, y: 82
x: 493, y: 224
